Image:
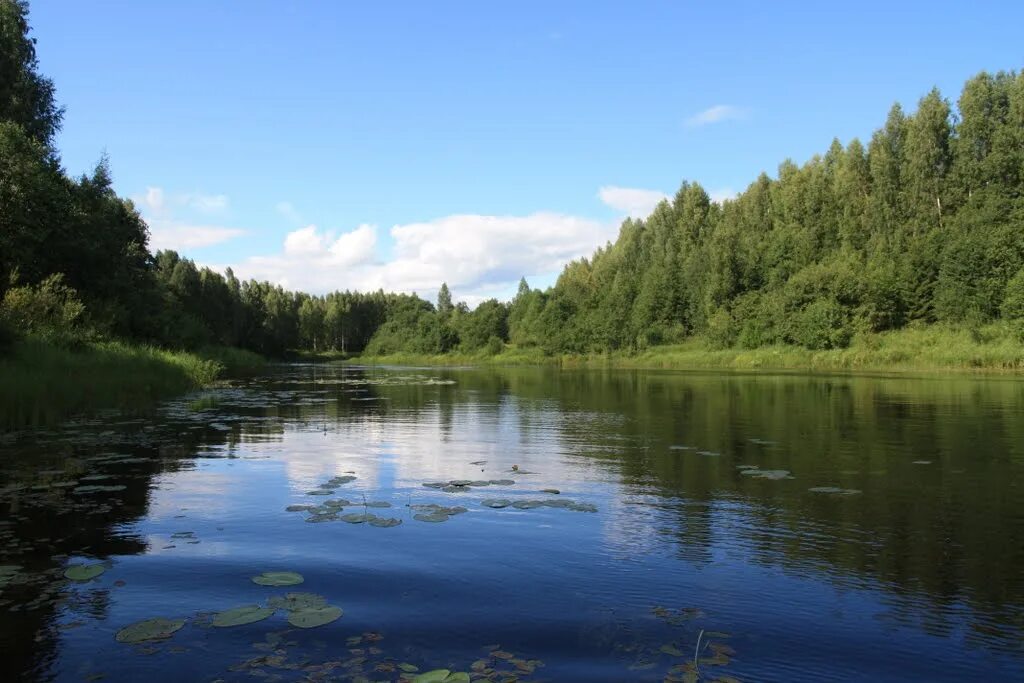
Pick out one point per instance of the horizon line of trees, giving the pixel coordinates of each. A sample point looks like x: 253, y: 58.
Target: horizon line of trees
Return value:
x: 924, y: 224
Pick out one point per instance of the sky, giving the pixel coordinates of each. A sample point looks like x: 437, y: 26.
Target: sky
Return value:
x: 329, y: 145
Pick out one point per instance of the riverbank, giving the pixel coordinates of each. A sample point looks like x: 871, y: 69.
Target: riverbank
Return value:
x: 42, y: 383
x: 934, y: 349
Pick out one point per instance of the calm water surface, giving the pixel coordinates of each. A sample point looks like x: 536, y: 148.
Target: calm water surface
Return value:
x: 914, y: 572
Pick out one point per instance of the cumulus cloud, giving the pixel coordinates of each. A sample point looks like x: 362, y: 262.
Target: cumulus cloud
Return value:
x: 170, y: 230
x: 476, y: 255
x: 632, y: 201
x: 716, y: 114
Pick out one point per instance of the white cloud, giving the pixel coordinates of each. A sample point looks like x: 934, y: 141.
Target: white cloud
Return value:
x: 303, y: 241
x: 632, y: 201
x: 207, y: 203
x: 354, y: 247
x: 720, y: 195
x: 716, y: 114
x: 476, y: 255
x: 169, y: 234
x: 169, y: 230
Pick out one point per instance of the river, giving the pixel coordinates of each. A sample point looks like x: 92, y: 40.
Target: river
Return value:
x: 602, y: 526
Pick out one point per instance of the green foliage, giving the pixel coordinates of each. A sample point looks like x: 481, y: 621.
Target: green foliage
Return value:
x: 26, y: 97
x: 49, y: 312
x: 1013, y: 304
x: 924, y: 224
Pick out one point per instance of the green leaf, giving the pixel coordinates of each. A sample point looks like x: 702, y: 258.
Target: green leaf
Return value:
x: 240, y: 616
x: 312, y: 617
x: 150, y: 629
x: 278, y: 579
x: 435, y: 676
x: 84, y: 572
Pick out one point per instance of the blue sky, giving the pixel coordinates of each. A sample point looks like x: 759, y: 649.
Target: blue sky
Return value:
x: 330, y: 145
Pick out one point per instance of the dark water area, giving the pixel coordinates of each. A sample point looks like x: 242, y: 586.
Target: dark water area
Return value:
x: 772, y: 528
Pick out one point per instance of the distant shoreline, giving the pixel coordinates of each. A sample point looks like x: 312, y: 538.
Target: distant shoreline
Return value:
x: 926, y: 350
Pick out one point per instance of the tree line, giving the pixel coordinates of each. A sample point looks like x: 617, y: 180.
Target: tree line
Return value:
x: 924, y: 224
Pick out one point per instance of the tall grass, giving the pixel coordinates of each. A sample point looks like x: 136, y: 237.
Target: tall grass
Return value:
x: 40, y: 383
x: 233, y: 360
x: 930, y: 349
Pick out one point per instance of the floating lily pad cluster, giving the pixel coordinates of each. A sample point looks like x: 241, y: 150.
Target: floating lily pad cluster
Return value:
x: 304, y: 610
x: 501, y: 665
x: 705, y: 650
x: 327, y: 488
x: 432, y: 512
x: 363, y: 660
x: 333, y: 511
x: 465, y: 485
x: 564, y: 503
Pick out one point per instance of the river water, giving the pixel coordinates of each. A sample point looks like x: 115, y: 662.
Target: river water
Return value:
x: 705, y: 527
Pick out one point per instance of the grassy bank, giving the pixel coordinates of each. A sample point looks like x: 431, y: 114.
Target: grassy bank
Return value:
x: 934, y: 349
x: 40, y: 383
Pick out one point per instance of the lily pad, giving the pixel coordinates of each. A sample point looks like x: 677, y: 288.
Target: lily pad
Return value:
x: 496, y: 503
x: 502, y: 482
x: 320, y: 517
x: 834, y: 490
x: 337, y: 503
x: 301, y: 508
x: 150, y: 629
x: 378, y: 504
x: 766, y: 474
x: 527, y: 504
x: 554, y: 491
x: 297, y: 601
x: 312, y: 617
x: 98, y: 488
x: 84, y: 572
x: 385, y: 522
x: 338, y: 481
x: 357, y: 517
x: 431, y: 517
x: 320, y: 492
x: 457, y: 677
x: 583, y: 507
x: 239, y: 616
x: 435, y: 676
x: 278, y: 579
x: 672, y: 650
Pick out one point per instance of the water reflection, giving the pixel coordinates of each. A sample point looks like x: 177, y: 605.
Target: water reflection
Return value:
x: 921, y: 566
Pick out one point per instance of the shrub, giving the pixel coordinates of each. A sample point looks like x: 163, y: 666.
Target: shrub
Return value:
x: 722, y: 330
x: 1013, y: 304
x: 822, y: 324
x: 49, y: 311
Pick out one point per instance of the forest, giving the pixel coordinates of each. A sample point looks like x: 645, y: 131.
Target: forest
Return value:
x: 922, y: 225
